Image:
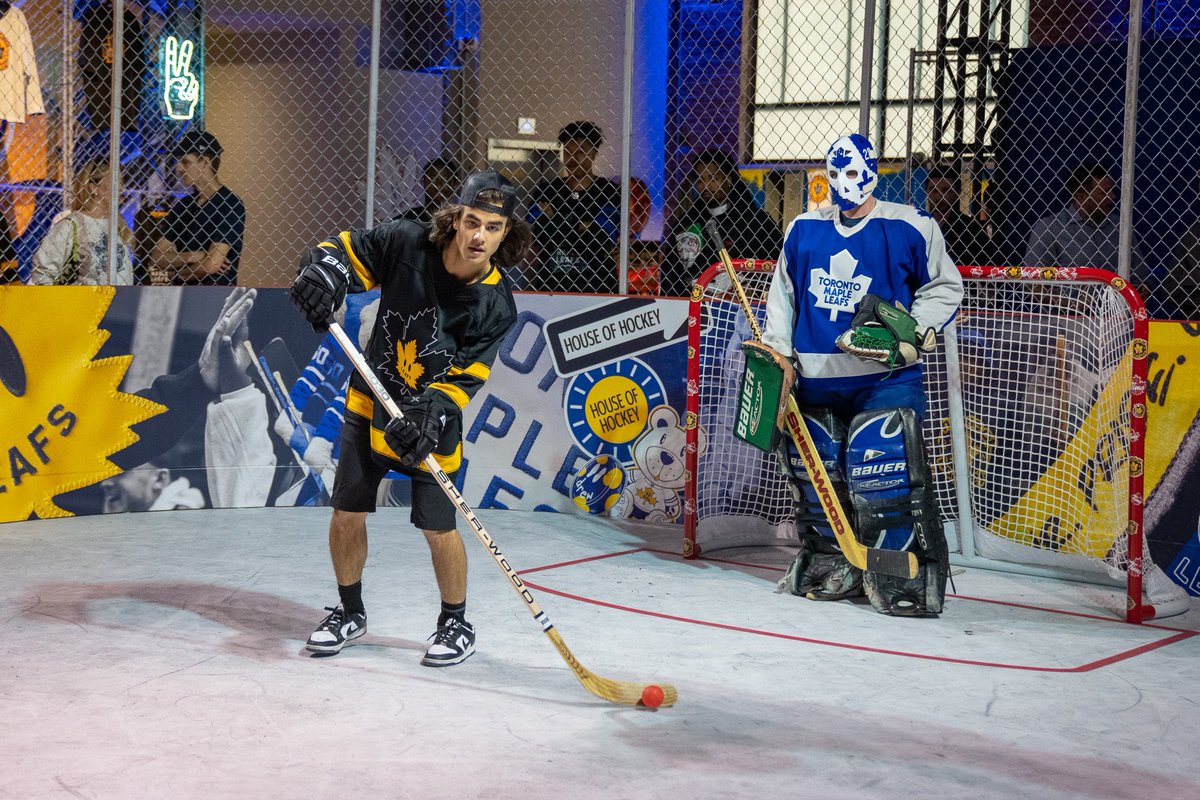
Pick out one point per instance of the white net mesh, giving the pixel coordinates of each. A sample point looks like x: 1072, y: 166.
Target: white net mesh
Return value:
x: 1044, y: 374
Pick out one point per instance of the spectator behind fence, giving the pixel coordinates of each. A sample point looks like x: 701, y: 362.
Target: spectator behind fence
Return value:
x: 201, y: 240
x: 1185, y: 275
x: 645, y: 268
x: 718, y: 210
x: 576, y: 220
x: 439, y: 181
x: 75, y: 249
x: 967, y: 238
x: 1087, y: 232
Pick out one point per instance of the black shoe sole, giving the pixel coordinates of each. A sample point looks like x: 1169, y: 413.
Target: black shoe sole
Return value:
x: 334, y: 648
x: 432, y: 662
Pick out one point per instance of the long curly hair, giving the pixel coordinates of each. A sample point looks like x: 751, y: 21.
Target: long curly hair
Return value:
x: 85, y: 191
x: 513, y: 248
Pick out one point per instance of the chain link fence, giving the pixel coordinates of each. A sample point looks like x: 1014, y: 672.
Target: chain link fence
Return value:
x: 645, y: 136
x: 1166, y: 182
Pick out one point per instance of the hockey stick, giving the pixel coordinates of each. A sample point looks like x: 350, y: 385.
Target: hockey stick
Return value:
x: 624, y: 692
x: 899, y: 563
x: 278, y: 395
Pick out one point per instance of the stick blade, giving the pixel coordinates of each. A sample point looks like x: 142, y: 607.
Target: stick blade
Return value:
x: 626, y: 693
x: 898, y: 563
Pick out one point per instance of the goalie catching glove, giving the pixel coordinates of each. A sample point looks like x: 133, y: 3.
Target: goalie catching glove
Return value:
x: 887, y: 333
x: 414, y: 435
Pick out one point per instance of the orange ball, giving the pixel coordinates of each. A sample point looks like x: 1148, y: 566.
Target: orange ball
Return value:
x: 652, y: 696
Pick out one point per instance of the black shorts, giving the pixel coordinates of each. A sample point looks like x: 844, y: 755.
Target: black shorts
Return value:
x: 359, y: 474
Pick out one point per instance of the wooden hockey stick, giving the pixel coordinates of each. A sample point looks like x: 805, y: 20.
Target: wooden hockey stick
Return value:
x: 899, y: 563
x: 625, y: 692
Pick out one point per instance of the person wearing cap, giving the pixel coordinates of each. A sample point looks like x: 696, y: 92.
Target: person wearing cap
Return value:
x: 576, y: 220
x: 201, y: 239
x: 445, y: 305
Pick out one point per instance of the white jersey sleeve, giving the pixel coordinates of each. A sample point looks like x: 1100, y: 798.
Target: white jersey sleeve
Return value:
x: 936, y: 302
x: 238, y: 455
x: 781, y: 313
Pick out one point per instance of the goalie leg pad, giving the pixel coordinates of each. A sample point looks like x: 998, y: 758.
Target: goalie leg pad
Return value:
x: 891, y: 492
x: 829, y: 435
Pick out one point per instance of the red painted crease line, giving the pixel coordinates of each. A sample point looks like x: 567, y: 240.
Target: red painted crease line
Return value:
x: 1181, y: 634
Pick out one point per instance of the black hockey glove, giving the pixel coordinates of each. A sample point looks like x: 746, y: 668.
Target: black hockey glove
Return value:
x: 414, y: 435
x: 320, y: 286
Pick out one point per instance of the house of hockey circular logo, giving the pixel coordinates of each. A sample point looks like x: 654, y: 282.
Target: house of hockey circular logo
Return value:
x: 818, y: 187
x: 607, y: 407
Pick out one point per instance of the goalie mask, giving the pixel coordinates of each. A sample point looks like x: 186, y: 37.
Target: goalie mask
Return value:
x: 853, y: 171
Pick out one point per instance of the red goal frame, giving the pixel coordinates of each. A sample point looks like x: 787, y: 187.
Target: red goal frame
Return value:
x: 1137, y: 610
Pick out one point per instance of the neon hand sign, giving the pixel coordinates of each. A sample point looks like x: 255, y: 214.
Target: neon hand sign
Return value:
x: 181, y: 87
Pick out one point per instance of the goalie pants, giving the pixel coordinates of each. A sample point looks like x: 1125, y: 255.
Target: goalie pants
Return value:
x: 904, y: 388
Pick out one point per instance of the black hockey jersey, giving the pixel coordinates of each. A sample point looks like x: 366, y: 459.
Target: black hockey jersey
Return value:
x: 432, y: 334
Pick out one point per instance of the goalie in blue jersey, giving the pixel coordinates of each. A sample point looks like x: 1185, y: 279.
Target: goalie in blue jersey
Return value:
x: 860, y: 291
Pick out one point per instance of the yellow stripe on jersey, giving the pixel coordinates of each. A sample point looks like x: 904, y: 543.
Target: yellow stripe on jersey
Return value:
x: 364, y: 274
x: 476, y: 370
x: 359, y: 403
x: 493, y: 277
x: 449, y: 463
x: 456, y: 394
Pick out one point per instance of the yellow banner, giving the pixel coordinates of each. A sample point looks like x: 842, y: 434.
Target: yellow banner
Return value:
x: 63, y: 414
x: 1172, y: 393
x: 1073, y: 506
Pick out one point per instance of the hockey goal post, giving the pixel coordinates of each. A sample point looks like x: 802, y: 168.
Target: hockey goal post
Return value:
x: 1035, y: 429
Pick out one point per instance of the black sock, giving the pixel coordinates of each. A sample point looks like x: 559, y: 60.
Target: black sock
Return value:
x: 456, y: 610
x: 352, y: 598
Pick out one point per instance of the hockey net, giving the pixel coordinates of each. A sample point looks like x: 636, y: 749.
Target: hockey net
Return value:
x: 1034, y: 429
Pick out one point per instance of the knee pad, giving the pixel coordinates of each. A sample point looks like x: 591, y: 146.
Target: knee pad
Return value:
x: 829, y: 435
x: 891, y: 493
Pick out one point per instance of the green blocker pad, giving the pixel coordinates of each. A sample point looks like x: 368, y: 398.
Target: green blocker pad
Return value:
x: 759, y: 399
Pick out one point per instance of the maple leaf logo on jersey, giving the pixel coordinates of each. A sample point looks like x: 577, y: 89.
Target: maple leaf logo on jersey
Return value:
x: 411, y: 360
x: 407, y: 366
x: 838, y: 289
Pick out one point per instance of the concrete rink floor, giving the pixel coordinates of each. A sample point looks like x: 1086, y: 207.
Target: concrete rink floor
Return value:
x: 161, y: 656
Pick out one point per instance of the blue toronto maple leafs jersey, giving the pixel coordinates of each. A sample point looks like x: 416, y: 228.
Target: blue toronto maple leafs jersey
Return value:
x: 825, y: 269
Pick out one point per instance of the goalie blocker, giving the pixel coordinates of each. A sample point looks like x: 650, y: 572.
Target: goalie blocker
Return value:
x: 762, y: 397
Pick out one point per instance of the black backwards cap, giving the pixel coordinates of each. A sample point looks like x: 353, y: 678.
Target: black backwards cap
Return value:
x: 489, y: 180
x: 198, y: 143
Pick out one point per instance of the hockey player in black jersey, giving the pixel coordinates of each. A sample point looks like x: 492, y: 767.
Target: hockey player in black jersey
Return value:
x: 445, y: 305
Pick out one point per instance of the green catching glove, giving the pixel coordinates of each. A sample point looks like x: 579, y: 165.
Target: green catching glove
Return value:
x: 887, y: 333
